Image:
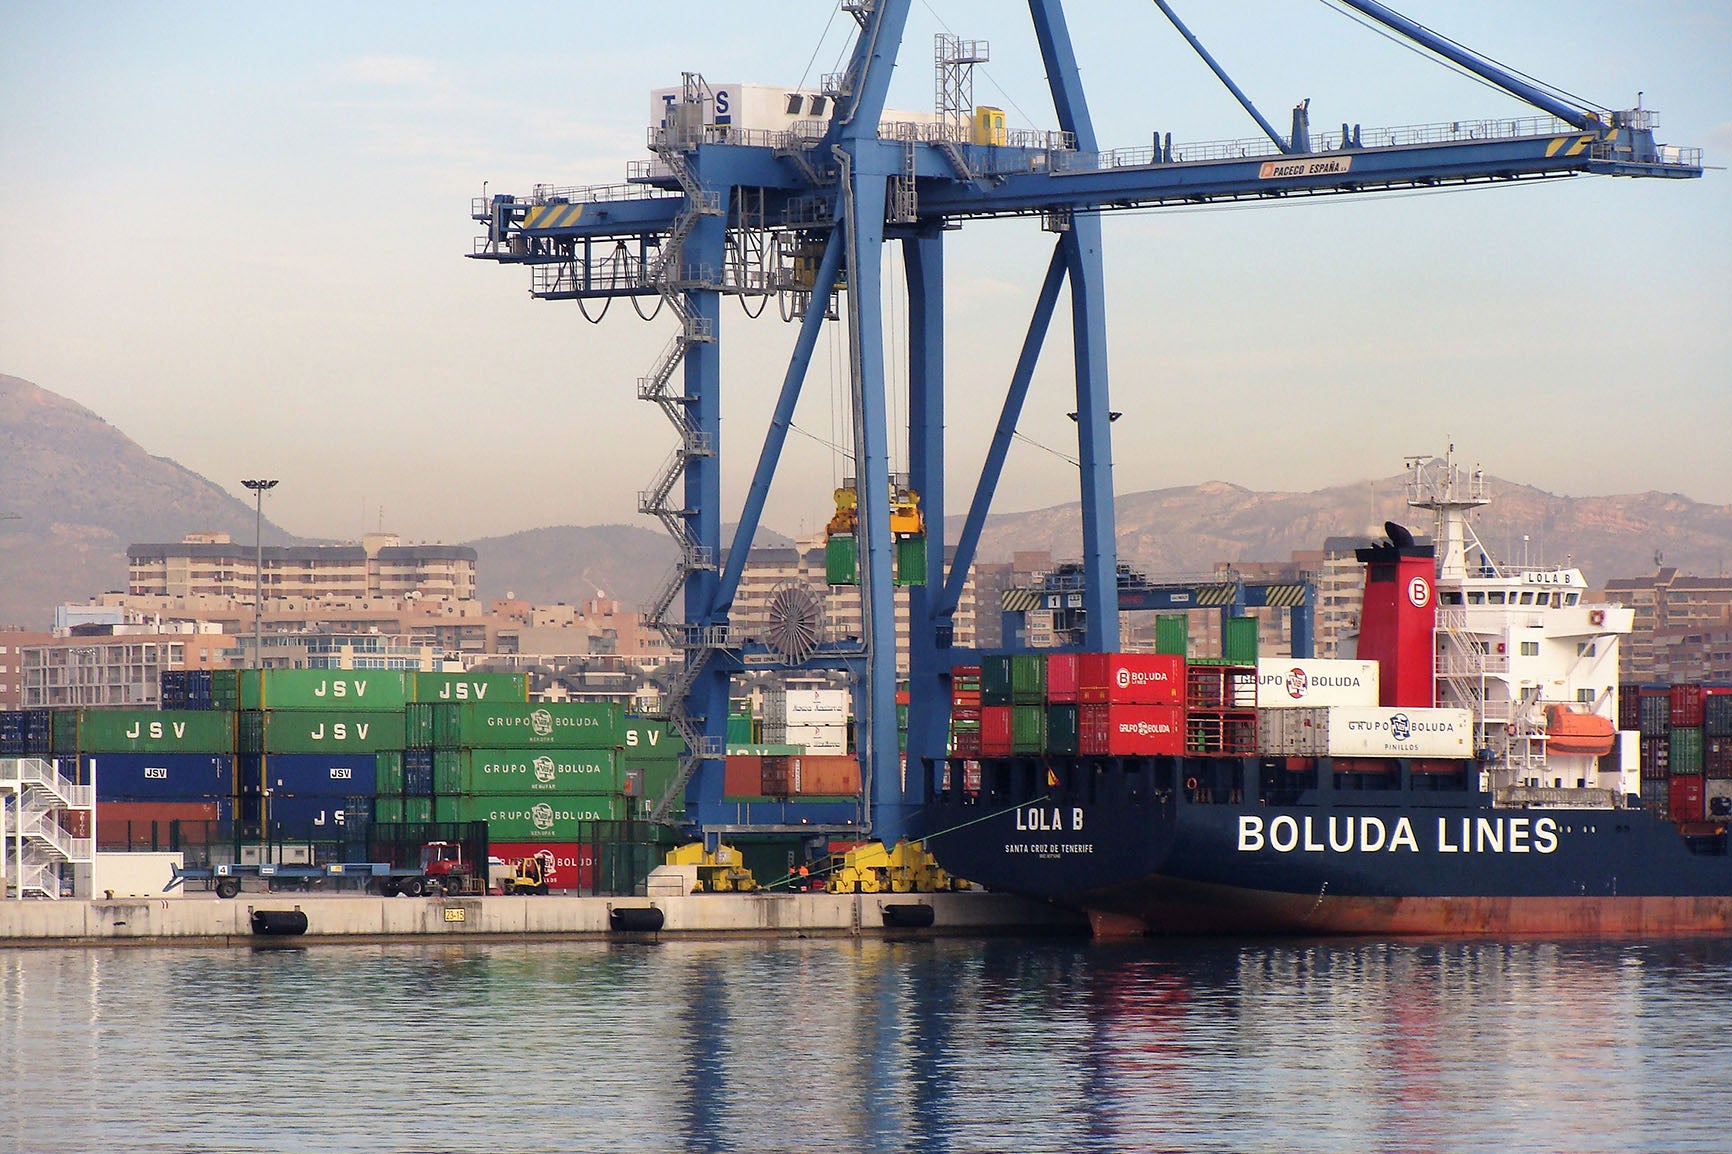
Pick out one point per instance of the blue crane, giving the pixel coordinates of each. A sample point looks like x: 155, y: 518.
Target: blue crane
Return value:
x: 820, y: 198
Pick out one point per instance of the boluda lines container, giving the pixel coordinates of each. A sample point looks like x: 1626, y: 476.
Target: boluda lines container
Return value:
x: 554, y: 725
x: 1111, y: 730
x: 1291, y: 683
x: 1063, y: 674
x: 1131, y: 679
x: 572, y: 863
x: 1367, y: 731
x: 321, y: 775
x: 347, y: 689
x: 531, y: 818
x: 159, y: 776
x: 479, y: 687
x: 156, y: 731
x: 529, y: 771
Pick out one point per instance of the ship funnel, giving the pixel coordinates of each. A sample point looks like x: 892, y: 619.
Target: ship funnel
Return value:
x: 1398, y: 620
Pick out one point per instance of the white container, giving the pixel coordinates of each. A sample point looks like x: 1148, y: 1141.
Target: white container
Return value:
x: 769, y: 107
x: 1295, y: 683
x: 818, y: 738
x: 1364, y: 731
x: 807, y: 707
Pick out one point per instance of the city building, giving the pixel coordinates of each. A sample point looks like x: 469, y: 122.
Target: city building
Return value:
x: 212, y: 565
x: 1671, y: 608
x: 13, y: 641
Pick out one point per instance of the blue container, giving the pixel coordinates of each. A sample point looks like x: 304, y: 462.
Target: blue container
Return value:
x: 158, y: 776
x: 317, y: 818
x: 417, y: 780
x: 319, y: 775
x: 12, y: 733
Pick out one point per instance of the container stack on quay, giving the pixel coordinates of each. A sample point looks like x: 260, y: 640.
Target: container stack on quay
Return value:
x: 1685, y: 736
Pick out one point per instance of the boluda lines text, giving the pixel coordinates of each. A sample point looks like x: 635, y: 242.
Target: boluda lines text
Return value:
x: 1347, y: 834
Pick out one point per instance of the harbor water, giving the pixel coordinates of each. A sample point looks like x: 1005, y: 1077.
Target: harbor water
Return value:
x: 869, y: 1045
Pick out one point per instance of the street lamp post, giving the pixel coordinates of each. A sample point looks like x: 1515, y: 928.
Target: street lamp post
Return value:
x: 258, y: 488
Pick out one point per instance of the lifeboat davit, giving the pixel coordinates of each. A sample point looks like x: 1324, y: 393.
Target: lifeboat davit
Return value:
x: 1578, y: 733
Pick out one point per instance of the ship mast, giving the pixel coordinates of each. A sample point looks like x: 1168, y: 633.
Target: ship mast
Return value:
x: 1438, y: 484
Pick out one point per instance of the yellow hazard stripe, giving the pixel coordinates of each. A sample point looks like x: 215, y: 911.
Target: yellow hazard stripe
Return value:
x: 1019, y: 600
x: 1215, y: 594
x: 1576, y: 145
x: 552, y: 216
x: 1284, y: 596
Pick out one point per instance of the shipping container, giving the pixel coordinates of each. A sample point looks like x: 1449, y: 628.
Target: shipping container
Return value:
x: 388, y: 772
x: 307, y: 731
x: 1685, y: 752
x: 553, y: 725
x: 155, y: 731
x: 1062, y: 728
x: 388, y: 810
x: 1220, y: 733
x: 1130, y: 730
x: 531, y: 818
x: 1717, y: 711
x: 812, y: 738
x: 1654, y: 711
x: 445, y: 687
x: 775, y: 777
x: 63, y: 731
x: 1656, y: 758
x: 1027, y: 729
x: 739, y: 729
x: 1685, y: 711
x: 1684, y: 797
x: 1239, y: 640
x: 526, y: 771
x: 349, y: 690
x: 158, y: 776
x: 1717, y: 798
x: 841, y: 560
x: 1657, y: 797
x: 1290, y: 682
x: 649, y: 737
x: 571, y: 864
x: 1172, y: 634
x: 161, y: 825
x: 1365, y: 731
x: 321, y: 775
x: 418, y: 809
x: 311, y: 817
x: 1131, y: 679
x: 806, y: 706
x: 826, y: 776
x: 995, y: 730
x: 1220, y: 686
x: 995, y: 675
x: 743, y: 775
x: 1717, y: 757
x: 1063, y: 678
x: 910, y: 561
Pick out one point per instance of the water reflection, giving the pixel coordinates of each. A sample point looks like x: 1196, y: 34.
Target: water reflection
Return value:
x: 868, y: 1045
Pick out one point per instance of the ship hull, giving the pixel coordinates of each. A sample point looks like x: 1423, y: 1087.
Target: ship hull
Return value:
x: 1409, y: 861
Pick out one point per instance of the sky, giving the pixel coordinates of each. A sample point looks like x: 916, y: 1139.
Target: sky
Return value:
x: 238, y: 233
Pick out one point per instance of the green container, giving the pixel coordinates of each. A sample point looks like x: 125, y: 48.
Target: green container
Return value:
x: 1027, y: 728
x: 388, y: 809
x: 902, y: 718
x: 496, y: 772
x: 842, y: 560
x: 532, y: 818
x: 1028, y: 678
x: 1239, y: 640
x: 304, y: 731
x: 482, y: 687
x: 1062, y: 732
x: 418, y: 809
x: 650, y: 738
x: 388, y: 772
x: 325, y: 689
x: 739, y: 729
x: 418, y: 725
x: 910, y: 561
x: 225, y: 689
x: 995, y: 679
x: 63, y: 732
x: 554, y: 725
x: 156, y: 731
x: 650, y: 780
x: 1172, y: 634
x: 1686, y: 753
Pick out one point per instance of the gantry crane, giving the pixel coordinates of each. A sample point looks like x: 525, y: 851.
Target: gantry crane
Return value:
x: 727, y: 210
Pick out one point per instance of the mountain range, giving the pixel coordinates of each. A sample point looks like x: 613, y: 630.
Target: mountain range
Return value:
x: 75, y: 492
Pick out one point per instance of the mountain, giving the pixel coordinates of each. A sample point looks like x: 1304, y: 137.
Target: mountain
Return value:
x: 1184, y: 531
x: 76, y: 492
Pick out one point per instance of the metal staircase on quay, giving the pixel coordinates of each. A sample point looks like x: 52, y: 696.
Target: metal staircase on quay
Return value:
x: 34, y: 846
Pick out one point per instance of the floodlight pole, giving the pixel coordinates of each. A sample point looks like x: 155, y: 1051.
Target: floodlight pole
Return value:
x: 258, y: 488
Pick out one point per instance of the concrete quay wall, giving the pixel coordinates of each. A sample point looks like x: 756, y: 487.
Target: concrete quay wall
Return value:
x: 201, y: 919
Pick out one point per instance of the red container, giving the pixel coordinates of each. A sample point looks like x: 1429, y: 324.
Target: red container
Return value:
x: 573, y: 862
x: 1685, y: 798
x: 965, y: 743
x: 995, y: 730
x: 1130, y: 730
x: 742, y: 775
x: 1131, y: 679
x: 75, y: 822
x: 1063, y: 677
x: 1686, y: 708
x: 824, y: 775
x: 146, y: 825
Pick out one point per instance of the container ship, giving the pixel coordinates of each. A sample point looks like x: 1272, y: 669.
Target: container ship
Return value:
x: 1474, y: 769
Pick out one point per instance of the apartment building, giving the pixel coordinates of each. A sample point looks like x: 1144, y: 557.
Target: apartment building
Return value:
x: 212, y: 565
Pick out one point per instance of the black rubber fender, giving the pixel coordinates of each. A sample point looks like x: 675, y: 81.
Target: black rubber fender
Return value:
x: 908, y: 916
x: 279, y: 923
x: 634, y: 919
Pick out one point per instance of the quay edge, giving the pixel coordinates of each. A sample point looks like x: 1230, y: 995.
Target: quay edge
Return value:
x: 337, y: 919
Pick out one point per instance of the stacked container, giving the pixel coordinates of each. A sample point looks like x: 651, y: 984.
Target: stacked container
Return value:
x: 161, y: 776
x: 814, y: 718
x: 965, y: 710
x: 1221, y: 708
x: 1717, y: 751
x: 1130, y: 704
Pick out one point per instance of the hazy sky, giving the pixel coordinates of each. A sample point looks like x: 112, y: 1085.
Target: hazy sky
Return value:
x: 238, y: 233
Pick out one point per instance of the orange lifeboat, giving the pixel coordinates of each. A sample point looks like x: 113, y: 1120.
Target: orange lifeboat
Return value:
x: 1578, y: 733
